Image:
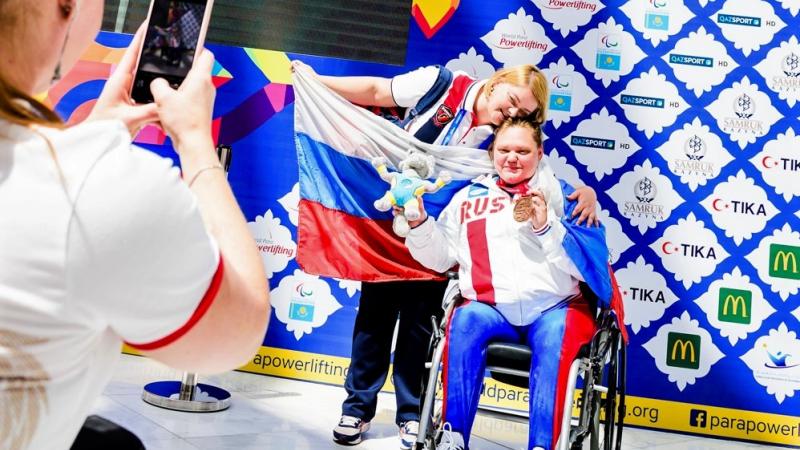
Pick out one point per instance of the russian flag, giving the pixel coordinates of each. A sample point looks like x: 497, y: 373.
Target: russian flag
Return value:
x: 340, y: 233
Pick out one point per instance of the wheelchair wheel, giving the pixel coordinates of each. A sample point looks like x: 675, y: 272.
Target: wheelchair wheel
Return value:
x: 603, y: 410
x: 430, y: 417
x: 613, y: 406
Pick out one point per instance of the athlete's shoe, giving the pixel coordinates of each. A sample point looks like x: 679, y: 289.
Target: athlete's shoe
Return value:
x: 349, y: 430
x: 408, y: 434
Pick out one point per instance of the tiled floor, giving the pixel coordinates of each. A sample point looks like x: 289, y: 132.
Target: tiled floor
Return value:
x: 273, y: 413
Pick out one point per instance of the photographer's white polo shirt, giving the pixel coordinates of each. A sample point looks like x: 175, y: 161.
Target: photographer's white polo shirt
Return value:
x: 116, y: 250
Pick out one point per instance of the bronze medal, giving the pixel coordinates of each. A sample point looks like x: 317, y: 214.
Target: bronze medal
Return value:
x: 523, y: 208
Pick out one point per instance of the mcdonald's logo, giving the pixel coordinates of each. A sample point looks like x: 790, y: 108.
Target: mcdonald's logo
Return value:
x: 735, y: 306
x: 683, y: 350
x: 783, y: 261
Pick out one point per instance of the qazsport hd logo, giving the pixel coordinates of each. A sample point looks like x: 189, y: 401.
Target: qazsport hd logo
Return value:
x: 651, y: 102
x: 749, y: 25
x: 700, y: 61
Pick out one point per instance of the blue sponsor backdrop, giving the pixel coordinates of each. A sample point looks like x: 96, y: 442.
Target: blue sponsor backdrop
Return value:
x: 681, y: 115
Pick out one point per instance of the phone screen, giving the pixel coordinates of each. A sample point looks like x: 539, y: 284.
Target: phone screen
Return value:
x: 168, y: 51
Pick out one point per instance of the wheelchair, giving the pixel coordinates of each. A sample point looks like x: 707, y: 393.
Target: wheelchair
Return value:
x: 601, y: 363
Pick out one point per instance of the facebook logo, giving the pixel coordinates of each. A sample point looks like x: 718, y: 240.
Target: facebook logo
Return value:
x: 698, y: 418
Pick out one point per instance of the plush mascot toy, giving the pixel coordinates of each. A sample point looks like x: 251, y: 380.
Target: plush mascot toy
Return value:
x: 407, y: 186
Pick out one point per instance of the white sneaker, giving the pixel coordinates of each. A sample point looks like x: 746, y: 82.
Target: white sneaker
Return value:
x: 408, y: 434
x: 349, y: 430
x: 450, y: 440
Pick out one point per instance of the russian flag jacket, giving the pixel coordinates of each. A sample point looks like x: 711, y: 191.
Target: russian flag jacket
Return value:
x: 506, y: 263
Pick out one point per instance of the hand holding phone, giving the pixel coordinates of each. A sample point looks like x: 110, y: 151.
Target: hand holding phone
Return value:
x: 174, y: 37
x: 114, y: 102
x: 185, y: 113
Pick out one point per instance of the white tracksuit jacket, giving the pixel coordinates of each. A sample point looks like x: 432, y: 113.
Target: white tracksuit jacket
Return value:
x: 501, y: 261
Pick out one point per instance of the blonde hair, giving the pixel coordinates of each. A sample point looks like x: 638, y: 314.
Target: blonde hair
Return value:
x: 526, y: 75
x: 16, y: 106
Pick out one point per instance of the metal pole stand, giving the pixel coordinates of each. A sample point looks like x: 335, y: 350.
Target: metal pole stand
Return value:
x: 188, y: 395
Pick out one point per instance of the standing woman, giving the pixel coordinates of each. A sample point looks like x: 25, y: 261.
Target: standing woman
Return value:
x: 102, y: 242
x: 444, y: 108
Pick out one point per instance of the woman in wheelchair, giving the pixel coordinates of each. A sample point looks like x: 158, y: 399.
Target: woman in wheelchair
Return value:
x: 521, y: 259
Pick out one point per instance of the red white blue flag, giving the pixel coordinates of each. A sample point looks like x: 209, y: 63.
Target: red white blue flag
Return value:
x: 340, y: 233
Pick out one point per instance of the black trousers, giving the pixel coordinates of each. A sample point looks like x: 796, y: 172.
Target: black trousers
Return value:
x: 102, y: 434
x: 381, y: 305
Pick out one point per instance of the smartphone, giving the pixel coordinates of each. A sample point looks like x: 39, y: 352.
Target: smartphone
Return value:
x: 176, y: 30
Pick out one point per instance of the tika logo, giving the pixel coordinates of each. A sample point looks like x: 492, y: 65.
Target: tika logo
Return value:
x: 698, y: 418
x: 740, y: 207
x: 443, y: 116
x: 683, y: 350
x: 744, y: 107
x: 783, y: 261
x: 791, y: 65
x: 768, y: 162
x: 647, y: 295
x: 695, y: 148
x: 735, y: 306
x: 689, y: 250
x: 302, y: 308
x: 645, y: 190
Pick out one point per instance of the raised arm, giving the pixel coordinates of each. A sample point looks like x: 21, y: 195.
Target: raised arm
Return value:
x: 241, y: 303
x: 372, y: 91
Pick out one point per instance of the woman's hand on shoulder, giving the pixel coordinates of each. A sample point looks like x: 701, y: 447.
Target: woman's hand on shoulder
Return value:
x: 586, y: 208
x: 115, y: 101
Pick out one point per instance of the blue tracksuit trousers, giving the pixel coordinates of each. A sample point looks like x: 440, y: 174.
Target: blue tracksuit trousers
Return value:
x: 555, y: 338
